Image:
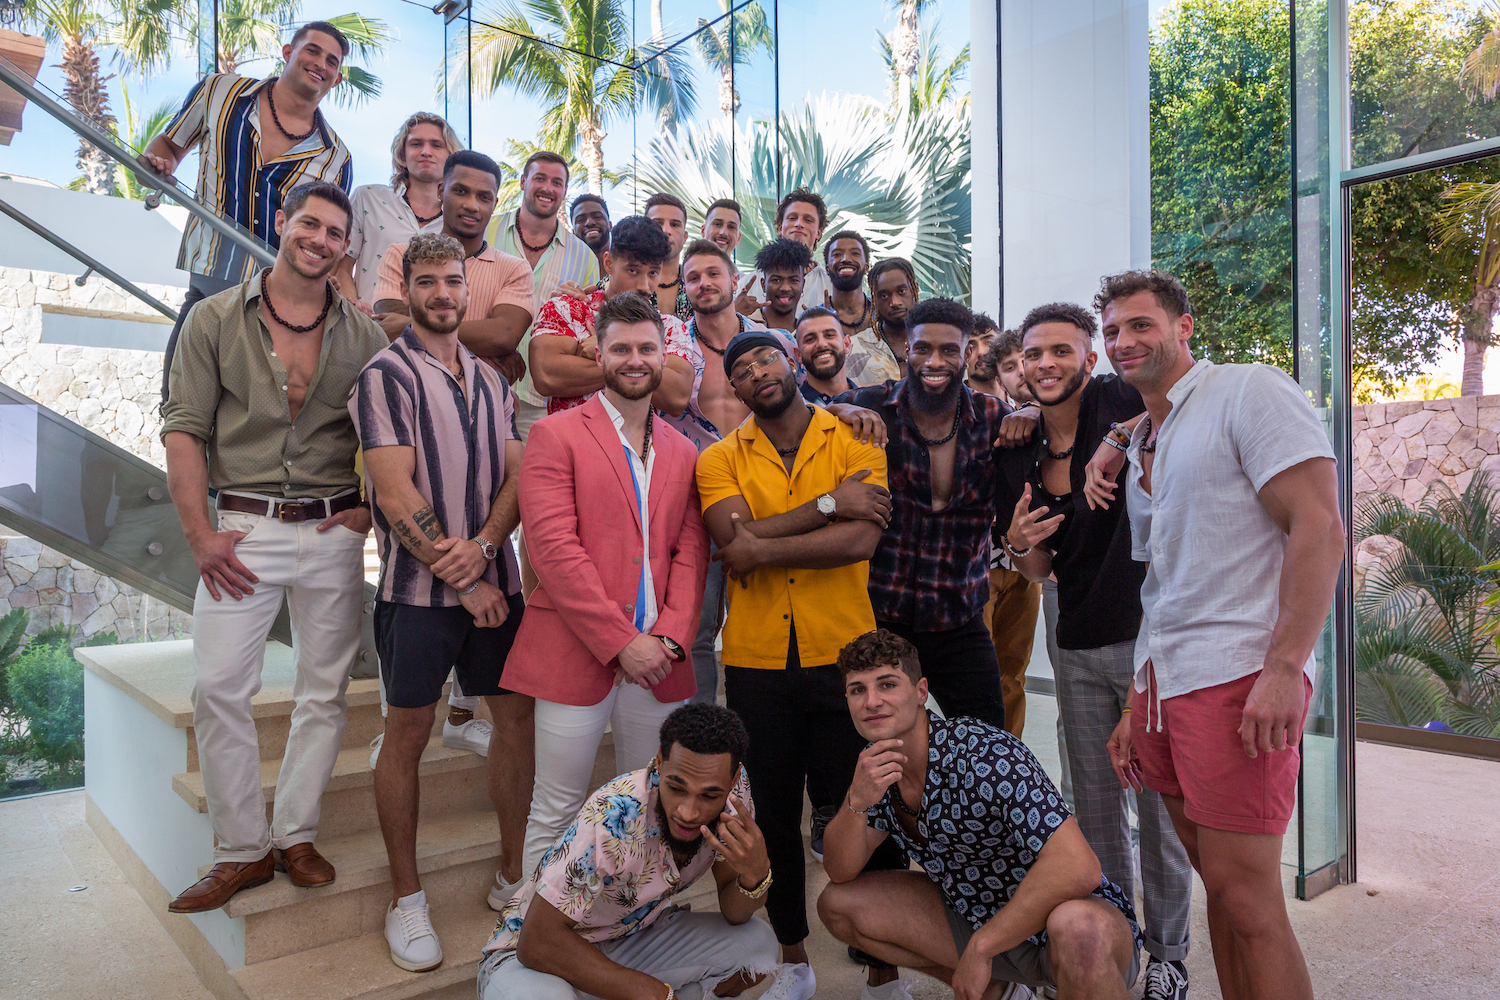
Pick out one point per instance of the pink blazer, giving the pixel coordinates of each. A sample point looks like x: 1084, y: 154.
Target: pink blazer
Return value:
x: 583, y: 534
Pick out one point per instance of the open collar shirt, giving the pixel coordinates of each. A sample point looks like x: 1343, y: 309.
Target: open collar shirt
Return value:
x: 640, y: 478
x: 382, y: 217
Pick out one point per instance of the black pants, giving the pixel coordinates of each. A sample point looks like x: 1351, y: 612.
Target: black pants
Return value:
x: 961, y: 668
x: 799, y: 726
x: 200, y: 286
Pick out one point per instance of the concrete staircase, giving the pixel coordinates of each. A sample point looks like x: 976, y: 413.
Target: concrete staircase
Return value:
x: 146, y: 802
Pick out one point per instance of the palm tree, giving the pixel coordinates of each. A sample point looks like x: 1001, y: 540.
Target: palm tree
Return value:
x: 575, y: 57
x: 933, y: 84
x: 136, y: 134
x: 517, y: 152
x: 1425, y: 616
x: 724, y: 48
x: 1469, y: 215
x: 906, y: 47
x: 254, y: 29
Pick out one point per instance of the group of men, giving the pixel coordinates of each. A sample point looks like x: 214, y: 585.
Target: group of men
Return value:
x: 857, y: 491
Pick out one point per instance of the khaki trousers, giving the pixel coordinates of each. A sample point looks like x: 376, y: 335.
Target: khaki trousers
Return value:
x: 1011, y: 618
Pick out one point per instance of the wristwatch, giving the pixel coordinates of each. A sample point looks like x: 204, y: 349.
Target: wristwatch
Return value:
x: 673, y: 650
x: 827, y: 507
x: 486, y: 546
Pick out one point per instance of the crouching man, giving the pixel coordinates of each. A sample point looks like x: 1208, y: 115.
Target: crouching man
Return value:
x: 1009, y: 891
x: 596, y: 918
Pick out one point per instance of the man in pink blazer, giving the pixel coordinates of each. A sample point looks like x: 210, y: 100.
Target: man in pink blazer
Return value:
x: 610, y: 510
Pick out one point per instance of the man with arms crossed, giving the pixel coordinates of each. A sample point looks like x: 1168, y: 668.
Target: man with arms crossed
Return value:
x: 590, y: 216
x: 596, y: 917
x: 256, y: 140
x: 1052, y: 530
x: 443, y: 463
x: 1230, y: 468
x: 878, y: 354
x: 257, y: 413
x: 772, y: 490
x: 411, y: 203
x: 611, y: 510
x: 1008, y: 891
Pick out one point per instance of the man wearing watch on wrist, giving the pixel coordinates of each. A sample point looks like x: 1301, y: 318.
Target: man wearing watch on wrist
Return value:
x: 596, y: 916
x: 437, y: 427
x: 611, y: 516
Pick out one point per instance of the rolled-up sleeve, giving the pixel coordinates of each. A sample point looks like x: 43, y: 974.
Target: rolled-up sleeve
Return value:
x: 195, y: 384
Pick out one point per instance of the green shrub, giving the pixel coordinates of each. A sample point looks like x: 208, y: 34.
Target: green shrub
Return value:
x: 46, y: 687
x: 12, y: 635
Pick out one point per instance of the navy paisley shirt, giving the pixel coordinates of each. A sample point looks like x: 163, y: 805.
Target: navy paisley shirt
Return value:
x: 987, y: 810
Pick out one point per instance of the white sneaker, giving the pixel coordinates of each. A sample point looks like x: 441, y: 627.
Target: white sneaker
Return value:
x: 472, y: 735
x: 501, y: 891
x: 375, y: 749
x: 792, y: 982
x: 408, y: 931
x: 894, y: 990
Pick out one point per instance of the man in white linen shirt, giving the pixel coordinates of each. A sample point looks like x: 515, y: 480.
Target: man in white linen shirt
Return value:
x: 1233, y: 498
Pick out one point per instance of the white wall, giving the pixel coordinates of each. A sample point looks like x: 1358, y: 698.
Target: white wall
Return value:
x: 985, y: 152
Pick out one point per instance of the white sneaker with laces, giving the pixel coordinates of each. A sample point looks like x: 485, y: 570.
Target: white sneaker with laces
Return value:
x: 792, y: 982
x: 375, y: 749
x: 1015, y: 991
x: 1164, y: 981
x: 893, y: 990
x: 408, y: 931
x: 473, y: 735
x: 501, y: 891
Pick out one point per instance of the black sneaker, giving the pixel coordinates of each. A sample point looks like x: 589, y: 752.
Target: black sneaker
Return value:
x: 1165, y: 981
x: 820, y: 820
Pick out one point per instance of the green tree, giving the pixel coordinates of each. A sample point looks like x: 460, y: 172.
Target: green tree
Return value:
x: 251, y: 30
x: 731, y: 43
x: 934, y: 83
x: 576, y: 58
x: 135, y: 133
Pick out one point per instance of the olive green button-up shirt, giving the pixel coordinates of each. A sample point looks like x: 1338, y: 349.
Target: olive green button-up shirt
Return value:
x: 229, y: 388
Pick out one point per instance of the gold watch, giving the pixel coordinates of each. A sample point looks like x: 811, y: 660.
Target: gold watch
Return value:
x: 758, y: 891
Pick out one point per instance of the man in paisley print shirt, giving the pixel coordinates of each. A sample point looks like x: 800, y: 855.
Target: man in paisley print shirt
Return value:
x: 1009, y: 890
x: 596, y: 917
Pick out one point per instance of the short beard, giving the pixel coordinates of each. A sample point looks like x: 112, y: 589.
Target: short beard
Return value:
x: 836, y: 366
x: 898, y: 325
x: 689, y: 848
x: 302, y: 268
x: 770, y: 411
x: 714, y: 308
x: 1158, y: 364
x: 600, y: 243
x: 1070, y: 388
x: 846, y: 282
x: 422, y: 318
x: 932, y: 403
x: 627, y: 389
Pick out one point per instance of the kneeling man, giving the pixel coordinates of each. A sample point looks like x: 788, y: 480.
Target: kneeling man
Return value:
x: 1009, y: 890
x: 596, y: 917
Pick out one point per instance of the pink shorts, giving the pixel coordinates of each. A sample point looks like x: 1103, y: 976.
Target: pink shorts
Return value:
x: 1198, y: 757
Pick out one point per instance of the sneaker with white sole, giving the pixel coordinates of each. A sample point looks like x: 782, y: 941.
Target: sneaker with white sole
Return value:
x: 1165, y: 981
x: 792, y: 982
x: 501, y: 891
x: 408, y: 932
x: 1015, y: 991
x: 893, y: 990
x: 473, y: 735
x: 375, y: 749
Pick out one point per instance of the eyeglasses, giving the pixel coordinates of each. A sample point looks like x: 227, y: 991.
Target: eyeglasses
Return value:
x: 765, y: 361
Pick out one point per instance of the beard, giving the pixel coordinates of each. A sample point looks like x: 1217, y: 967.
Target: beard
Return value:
x: 306, y: 269
x: 688, y: 848
x: 599, y: 242
x: 926, y: 401
x: 846, y: 282
x: 828, y: 366
x: 772, y: 408
x: 1071, y: 386
x: 629, y: 388
x: 712, y: 307
x: 435, y: 324
x: 1155, y: 367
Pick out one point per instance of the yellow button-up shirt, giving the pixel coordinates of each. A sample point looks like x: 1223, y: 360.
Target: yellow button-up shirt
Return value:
x: 830, y: 606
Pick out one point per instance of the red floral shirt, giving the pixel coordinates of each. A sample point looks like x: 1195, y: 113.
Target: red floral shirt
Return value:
x: 566, y: 316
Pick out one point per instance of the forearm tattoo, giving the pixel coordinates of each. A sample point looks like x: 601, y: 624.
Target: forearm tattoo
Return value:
x: 428, y: 522
x: 408, y: 537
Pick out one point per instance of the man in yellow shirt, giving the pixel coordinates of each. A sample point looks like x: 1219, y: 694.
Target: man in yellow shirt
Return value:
x: 796, y: 505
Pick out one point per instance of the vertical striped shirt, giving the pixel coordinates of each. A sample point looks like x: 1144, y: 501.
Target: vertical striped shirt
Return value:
x: 221, y: 116
x: 405, y: 397
x: 567, y: 258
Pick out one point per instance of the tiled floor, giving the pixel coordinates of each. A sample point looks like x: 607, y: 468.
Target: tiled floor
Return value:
x: 1423, y: 921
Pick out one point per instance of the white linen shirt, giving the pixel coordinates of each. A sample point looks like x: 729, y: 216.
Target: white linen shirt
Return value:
x: 641, y: 473
x: 381, y: 217
x: 1210, y: 599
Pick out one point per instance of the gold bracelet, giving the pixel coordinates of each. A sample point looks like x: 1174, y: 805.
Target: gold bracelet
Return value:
x: 1125, y: 709
x: 759, y: 890
x: 671, y: 993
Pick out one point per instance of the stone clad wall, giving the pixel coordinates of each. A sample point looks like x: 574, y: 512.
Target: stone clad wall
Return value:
x: 1402, y: 447
x: 62, y: 591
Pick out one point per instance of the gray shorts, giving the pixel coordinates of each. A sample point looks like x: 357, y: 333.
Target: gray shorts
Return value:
x: 1026, y: 963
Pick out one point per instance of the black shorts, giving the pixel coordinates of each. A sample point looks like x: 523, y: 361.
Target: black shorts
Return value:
x: 418, y: 646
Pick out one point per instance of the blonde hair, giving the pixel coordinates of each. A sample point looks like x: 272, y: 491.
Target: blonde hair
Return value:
x: 430, y: 248
x: 399, y: 173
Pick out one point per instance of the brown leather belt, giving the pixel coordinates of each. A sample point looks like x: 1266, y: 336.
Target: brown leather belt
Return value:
x: 288, y: 511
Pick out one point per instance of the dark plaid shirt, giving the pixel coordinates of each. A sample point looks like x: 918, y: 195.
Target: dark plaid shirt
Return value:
x: 932, y: 569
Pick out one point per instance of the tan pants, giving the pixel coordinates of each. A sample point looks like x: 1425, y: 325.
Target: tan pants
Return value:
x: 1011, y: 617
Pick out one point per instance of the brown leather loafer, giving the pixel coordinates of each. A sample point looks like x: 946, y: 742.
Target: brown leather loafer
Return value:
x: 224, y: 880
x: 305, y: 865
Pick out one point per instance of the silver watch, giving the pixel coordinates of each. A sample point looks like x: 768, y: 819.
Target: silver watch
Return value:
x: 486, y: 546
x: 827, y: 507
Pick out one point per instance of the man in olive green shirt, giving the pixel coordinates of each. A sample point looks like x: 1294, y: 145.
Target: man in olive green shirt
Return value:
x: 258, y: 413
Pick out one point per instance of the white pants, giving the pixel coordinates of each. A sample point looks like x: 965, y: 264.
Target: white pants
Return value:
x: 691, y: 952
x: 322, y: 576
x: 567, y: 741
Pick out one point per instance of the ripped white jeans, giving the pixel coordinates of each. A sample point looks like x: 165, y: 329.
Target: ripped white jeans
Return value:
x: 691, y: 952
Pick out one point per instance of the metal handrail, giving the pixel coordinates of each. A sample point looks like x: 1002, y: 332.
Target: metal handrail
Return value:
x: 20, y: 81
x: 88, y: 261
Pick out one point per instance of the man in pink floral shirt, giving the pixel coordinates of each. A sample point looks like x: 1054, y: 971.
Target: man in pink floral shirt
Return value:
x: 563, y: 350
x: 596, y: 917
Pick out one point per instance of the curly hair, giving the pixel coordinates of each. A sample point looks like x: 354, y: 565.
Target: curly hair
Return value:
x: 1060, y: 312
x: 639, y: 239
x: 782, y: 254
x: 400, y: 176
x: 807, y: 197
x: 430, y: 248
x: 1002, y: 346
x: 846, y: 234
x: 706, y: 729
x: 1170, y: 294
x: 940, y: 310
x: 880, y: 648
x: 984, y: 324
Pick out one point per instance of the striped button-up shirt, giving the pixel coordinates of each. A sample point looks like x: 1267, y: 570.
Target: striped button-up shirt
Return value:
x: 567, y: 258
x: 405, y: 397
x: 221, y: 117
